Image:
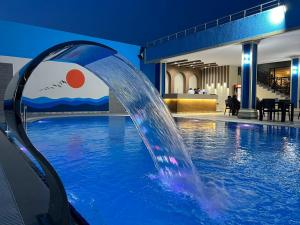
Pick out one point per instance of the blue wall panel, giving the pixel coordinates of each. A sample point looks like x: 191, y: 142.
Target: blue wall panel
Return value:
x: 152, y: 71
x: 27, y: 41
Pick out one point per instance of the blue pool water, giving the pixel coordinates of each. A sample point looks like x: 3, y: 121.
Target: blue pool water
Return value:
x: 110, y: 177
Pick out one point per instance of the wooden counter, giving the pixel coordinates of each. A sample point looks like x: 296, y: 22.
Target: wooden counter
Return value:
x: 191, y: 103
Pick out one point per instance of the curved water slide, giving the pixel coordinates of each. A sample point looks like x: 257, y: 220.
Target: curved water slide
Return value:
x: 138, y: 96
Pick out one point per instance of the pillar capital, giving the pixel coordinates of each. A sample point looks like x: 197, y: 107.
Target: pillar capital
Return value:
x: 251, y: 42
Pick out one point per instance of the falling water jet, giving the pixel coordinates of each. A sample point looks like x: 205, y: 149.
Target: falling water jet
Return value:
x: 158, y: 131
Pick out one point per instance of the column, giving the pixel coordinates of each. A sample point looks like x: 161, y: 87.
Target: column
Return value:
x: 163, y: 71
x: 249, y: 75
x: 294, y: 90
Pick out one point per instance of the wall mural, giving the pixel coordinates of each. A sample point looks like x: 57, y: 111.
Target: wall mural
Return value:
x: 57, y: 87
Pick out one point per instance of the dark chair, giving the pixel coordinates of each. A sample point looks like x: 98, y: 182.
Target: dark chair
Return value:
x: 227, y: 106
x: 283, y: 105
x: 268, y: 106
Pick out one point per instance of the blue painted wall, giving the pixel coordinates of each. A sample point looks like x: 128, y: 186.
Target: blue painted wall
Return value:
x: 152, y: 71
x: 27, y: 41
x: 20, y: 40
x: 255, y: 26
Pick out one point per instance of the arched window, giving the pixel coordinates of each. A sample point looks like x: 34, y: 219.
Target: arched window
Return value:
x: 193, y: 82
x: 178, y: 83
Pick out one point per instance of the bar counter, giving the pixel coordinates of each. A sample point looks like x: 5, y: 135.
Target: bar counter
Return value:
x: 191, y: 103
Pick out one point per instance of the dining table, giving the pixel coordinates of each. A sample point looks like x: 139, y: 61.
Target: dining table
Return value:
x: 283, y: 108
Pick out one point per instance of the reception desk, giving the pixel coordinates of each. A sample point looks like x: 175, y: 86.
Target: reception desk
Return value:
x: 188, y: 103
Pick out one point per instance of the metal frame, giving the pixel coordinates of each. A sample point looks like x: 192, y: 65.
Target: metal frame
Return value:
x: 58, y: 211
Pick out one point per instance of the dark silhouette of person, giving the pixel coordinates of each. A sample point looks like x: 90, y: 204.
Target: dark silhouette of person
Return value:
x: 258, y: 103
x: 228, y: 102
x: 236, y: 105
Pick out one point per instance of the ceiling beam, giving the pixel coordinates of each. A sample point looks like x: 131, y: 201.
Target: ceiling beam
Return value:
x: 208, y: 65
x: 191, y: 63
x: 177, y: 62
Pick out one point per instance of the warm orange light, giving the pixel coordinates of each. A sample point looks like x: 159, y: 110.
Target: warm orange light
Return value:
x: 191, y: 105
x: 189, y: 99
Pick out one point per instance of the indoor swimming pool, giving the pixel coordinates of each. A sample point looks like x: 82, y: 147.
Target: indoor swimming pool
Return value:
x: 250, y: 172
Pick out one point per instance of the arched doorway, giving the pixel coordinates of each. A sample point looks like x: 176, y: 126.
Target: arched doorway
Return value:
x: 178, y: 83
x: 193, y: 82
x: 167, y: 83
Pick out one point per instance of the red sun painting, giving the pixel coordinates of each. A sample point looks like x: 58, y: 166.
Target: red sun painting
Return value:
x: 75, y: 78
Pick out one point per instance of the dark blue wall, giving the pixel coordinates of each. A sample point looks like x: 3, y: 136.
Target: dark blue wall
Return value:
x: 152, y: 71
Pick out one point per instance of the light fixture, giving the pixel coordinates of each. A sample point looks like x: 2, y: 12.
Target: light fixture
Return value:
x: 277, y: 15
x: 246, y: 59
x: 295, y: 70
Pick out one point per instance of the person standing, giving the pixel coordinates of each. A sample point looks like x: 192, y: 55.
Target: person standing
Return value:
x: 191, y: 91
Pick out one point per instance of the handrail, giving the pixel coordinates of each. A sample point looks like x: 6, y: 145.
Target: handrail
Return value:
x: 217, y: 22
x: 274, y: 83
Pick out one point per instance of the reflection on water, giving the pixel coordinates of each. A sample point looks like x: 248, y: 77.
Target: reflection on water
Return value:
x: 111, y: 179
x: 258, y: 165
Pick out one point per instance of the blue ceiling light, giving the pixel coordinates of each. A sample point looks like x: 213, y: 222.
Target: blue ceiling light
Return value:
x: 277, y: 15
x: 295, y: 70
x: 246, y: 59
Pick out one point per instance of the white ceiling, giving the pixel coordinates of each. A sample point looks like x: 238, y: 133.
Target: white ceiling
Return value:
x: 280, y: 47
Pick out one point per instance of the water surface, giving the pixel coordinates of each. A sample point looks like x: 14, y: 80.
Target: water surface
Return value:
x: 111, y: 179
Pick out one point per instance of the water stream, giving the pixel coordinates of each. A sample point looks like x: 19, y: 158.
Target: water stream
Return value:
x: 157, y: 128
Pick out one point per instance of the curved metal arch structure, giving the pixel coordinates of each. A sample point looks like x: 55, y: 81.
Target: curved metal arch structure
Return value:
x: 147, y: 110
x: 59, y: 212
